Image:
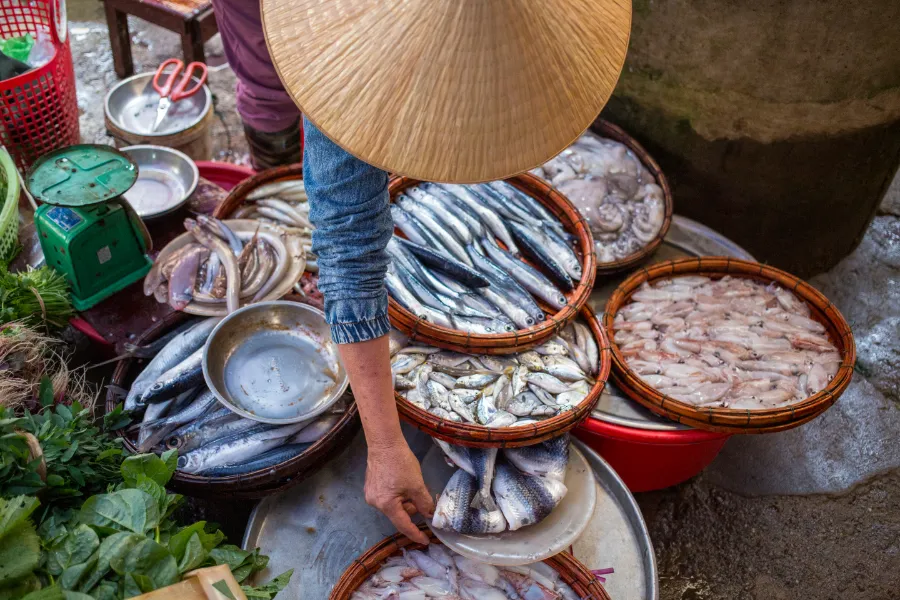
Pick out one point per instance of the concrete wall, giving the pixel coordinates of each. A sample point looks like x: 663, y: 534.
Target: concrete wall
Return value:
x: 778, y: 122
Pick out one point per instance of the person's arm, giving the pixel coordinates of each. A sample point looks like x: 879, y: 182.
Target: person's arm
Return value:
x: 349, y: 208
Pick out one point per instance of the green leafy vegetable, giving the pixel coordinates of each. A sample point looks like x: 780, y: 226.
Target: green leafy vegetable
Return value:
x: 123, y: 510
x: 80, y: 458
x: 20, y: 546
x: 268, y: 590
x: 36, y: 296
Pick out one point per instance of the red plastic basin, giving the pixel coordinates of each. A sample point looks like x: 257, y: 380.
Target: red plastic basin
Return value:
x: 225, y: 175
x: 651, y: 459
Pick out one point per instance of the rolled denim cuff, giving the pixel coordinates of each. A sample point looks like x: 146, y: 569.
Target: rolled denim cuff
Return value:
x: 357, y: 319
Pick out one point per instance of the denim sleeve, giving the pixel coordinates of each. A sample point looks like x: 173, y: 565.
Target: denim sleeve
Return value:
x: 349, y: 208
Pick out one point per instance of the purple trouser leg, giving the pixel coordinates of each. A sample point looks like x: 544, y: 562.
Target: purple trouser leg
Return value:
x: 261, y: 100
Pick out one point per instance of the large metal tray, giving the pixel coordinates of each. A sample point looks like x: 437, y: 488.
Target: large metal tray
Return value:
x: 321, y: 526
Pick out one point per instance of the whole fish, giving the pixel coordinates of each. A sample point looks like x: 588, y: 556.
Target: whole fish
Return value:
x: 155, y: 431
x: 547, y: 459
x: 439, y: 210
x: 429, y: 221
x: 454, y: 511
x: 407, y: 259
x: 487, y: 216
x: 530, y: 278
x: 183, y: 278
x: 237, y: 448
x: 223, y: 231
x: 460, y: 270
x: 263, y: 461
x: 537, y: 209
x: 404, y: 296
x: 155, y: 412
x: 563, y: 367
x: 547, y: 382
x: 215, y: 426
x: 502, y: 419
x: 228, y: 259
x: 183, y: 376
x: 524, y: 499
x: 477, y: 462
x: 505, y: 206
x: 477, y: 381
x: 459, y: 208
x: 404, y: 363
x: 179, y: 348
x: 501, y: 279
x: 537, y: 247
x: 482, y: 324
x: 315, y: 430
x: 588, y: 344
x: 524, y: 404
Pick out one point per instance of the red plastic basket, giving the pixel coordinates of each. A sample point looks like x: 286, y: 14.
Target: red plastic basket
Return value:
x: 38, y: 109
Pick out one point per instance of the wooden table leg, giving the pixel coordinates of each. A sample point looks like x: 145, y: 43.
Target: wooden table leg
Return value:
x: 120, y: 40
x: 192, y: 42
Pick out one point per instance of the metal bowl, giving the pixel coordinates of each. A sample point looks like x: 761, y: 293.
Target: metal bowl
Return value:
x: 131, y: 106
x: 274, y: 362
x: 166, y: 179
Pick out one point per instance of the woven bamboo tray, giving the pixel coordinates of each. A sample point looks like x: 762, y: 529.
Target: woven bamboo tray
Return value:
x: 730, y: 420
x: 614, y: 132
x: 576, y: 575
x: 517, y: 341
x: 238, y: 195
x: 256, y: 484
x: 479, y: 436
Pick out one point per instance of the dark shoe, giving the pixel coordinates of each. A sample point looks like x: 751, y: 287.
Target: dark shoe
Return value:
x: 277, y: 149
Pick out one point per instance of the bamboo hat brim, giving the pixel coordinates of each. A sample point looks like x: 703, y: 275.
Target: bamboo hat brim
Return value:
x: 462, y: 91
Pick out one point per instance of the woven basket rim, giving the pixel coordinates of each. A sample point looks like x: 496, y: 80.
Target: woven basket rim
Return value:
x: 571, y: 570
x: 251, y: 481
x: 616, y: 133
x: 238, y: 194
x: 730, y: 419
x: 467, y: 434
x: 445, y: 337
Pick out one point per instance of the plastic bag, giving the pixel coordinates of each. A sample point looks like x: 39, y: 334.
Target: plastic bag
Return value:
x: 18, y: 47
x: 42, y: 50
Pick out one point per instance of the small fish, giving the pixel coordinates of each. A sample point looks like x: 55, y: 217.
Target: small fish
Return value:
x: 477, y: 462
x: 183, y: 376
x: 547, y: 382
x: 524, y: 499
x: 563, y: 368
x: 482, y: 325
x: 588, y: 344
x: 263, y: 461
x: 523, y: 404
x: 476, y: 382
x: 465, y: 395
x: 547, y: 459
x: 531, y: 360
x: 448, y: 359
x: 528, y: 277
x: 454, y: 511
x: 237, y: 448
x: 153, y: 432
x: 502, y: 419
x: 220, y: 424
x: 553, y: 346
x: 536, y: 246
x: 404, y: 363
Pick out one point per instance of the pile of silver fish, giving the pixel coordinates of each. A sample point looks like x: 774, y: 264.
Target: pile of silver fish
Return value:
x: 451, y: 269
x: 731, y: 342
x: 439, y: 572
x: 498, y: 391
x: 221, y: 266
x: 618, y: 196
x: 177, y: 411
x: 499, y: 490
x: 283, y: 204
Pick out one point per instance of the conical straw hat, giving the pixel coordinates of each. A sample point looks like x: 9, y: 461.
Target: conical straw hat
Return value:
x: 449, y: 90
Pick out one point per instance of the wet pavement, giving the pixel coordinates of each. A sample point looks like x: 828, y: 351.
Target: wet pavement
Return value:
x: 809, y: 513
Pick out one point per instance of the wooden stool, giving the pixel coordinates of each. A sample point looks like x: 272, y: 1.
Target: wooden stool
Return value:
x: 193, y: 20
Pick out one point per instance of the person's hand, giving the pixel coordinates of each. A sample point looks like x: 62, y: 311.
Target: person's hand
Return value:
x: 394, y: 485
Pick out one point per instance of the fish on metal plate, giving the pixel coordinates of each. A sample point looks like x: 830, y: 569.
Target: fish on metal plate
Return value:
x: 524, y: 499
x: 547, y: 459
x: 454, y: 511
x: 477, y: 462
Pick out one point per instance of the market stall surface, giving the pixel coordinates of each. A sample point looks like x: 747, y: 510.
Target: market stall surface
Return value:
x: 813, y: 512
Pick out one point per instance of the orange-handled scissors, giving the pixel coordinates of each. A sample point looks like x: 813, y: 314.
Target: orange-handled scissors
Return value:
x: 170, y: 91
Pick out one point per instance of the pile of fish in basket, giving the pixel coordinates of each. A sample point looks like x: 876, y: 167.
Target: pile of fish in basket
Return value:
x: 178, y: 411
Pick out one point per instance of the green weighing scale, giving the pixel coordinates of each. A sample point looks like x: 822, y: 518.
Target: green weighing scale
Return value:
x: 88, y: 231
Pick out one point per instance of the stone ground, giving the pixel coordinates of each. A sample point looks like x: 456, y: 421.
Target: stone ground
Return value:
x: 809, y: 513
